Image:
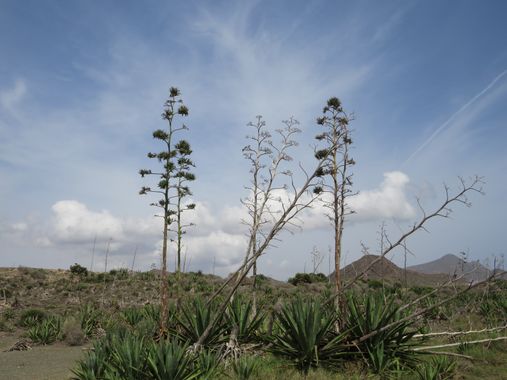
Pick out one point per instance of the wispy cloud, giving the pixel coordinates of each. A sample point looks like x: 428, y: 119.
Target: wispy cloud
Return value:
x: 454, y: 116
x: 11, y: 97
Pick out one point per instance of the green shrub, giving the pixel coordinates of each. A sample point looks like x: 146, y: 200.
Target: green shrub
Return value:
x: 209, y: 365
x: 5, y: 293
x: 128, y: 357
x: 439, y: 368
x: 375, y: 284
x: 308, y: 278
x: 245, y: 368
x: 133, y: 316
x: 421, y: 290
x: 78, y: 270
x: 195, y: 318
x: 171, y: 360
x: 304, y: 334
x: 5, y: 326
x: 46, y: 332
x: 240, y: 316
x: 8, y: 314
x: 94, y: 365
x: 90, y: 319
x: 389, y: 348
x: 31, y: 317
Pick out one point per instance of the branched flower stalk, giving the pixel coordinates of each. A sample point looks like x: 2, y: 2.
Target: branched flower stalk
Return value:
x: 172, y: 107
x: 182, y: 176
x: 266, y: 160
x: 298, y: 199
x: 337, y: 162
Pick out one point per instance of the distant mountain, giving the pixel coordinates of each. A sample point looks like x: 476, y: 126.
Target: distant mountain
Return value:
x: 454, y: 265
x: 386, y: 270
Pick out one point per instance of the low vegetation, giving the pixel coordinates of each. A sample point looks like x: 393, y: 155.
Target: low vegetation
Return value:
x: 294, y: 331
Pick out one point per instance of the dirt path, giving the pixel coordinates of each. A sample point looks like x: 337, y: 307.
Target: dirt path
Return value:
x: 40, y: 363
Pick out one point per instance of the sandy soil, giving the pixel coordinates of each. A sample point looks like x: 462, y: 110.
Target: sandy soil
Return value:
x: 40, y: 363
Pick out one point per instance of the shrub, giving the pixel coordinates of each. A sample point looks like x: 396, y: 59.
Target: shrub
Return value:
x: 5, y: 326
x: 240, y: 316
x: 375, y: 284
x: 72, y: 333
x: 308, y: 278
x: 439, y: 368
x: 46, y: 332
x: 133, y: 316
x: 305, y: 336
x: 8, y: 314
x: 31, y: 317
x: 5, y: 293
x: 89, y: 319
x: 208, y: 363
x: 195, y: 319
x: 78, y: 270
x: 388, y: 348
x: 94, y: 365
x: 128, y: 357
x: 245, y: 367
x: 122, y: 355
x: 420, y: 290
x: 170, y: 360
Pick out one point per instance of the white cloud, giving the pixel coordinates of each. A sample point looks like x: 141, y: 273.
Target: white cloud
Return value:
x: 74, y: 222
x: 388, y: 201
x: 9, y: 98
x: 226, y: 249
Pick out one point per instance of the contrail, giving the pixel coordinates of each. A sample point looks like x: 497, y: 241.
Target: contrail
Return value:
x: 453, y: 116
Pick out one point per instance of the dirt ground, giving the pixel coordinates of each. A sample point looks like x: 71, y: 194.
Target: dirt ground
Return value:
x: 40, y: 363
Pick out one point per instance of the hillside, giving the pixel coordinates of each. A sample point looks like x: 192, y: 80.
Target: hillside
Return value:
x: 452, y: 264
x: 386, y: 270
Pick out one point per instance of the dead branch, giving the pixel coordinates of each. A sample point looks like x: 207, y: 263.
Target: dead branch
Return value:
x: 458, y: 333
x: 442, y: 211
x: 294, y: 207
x: 425, y: 310
x: 424, y: 348
x: 445, y: 353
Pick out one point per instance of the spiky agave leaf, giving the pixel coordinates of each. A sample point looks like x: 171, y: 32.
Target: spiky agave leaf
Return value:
x: 240, y: 314
x: 305, y: 336
x: 193, y: 321
x: 394, y: 345
x: 171, y: 360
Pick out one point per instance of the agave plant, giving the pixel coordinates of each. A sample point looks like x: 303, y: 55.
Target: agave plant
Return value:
x: 133, y: 316
x: 439, y: 368
x: 194, y: 320
x: 170, y: 360
x: 388, y: 348
x: 47, y: 331
x: 305, y: 336
x: 151, y: 311
x: 90, y: 319
x: 245, y: 367
x: 240, y: 316
x: 93, y: 366
x: 32, y: 317
x: 209, y: 365
x: 128, y: 357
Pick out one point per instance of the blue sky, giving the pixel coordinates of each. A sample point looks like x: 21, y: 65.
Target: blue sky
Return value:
x: 82, y: 86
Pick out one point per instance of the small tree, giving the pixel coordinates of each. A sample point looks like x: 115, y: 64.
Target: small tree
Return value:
x: 337, y: 161
x: 78, y: 270
x: 172, y: 107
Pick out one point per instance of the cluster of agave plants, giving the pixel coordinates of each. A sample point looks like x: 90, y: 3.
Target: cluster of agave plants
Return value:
x: 304, y: 334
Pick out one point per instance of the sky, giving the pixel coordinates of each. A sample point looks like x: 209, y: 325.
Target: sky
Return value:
x: 82, y: 87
